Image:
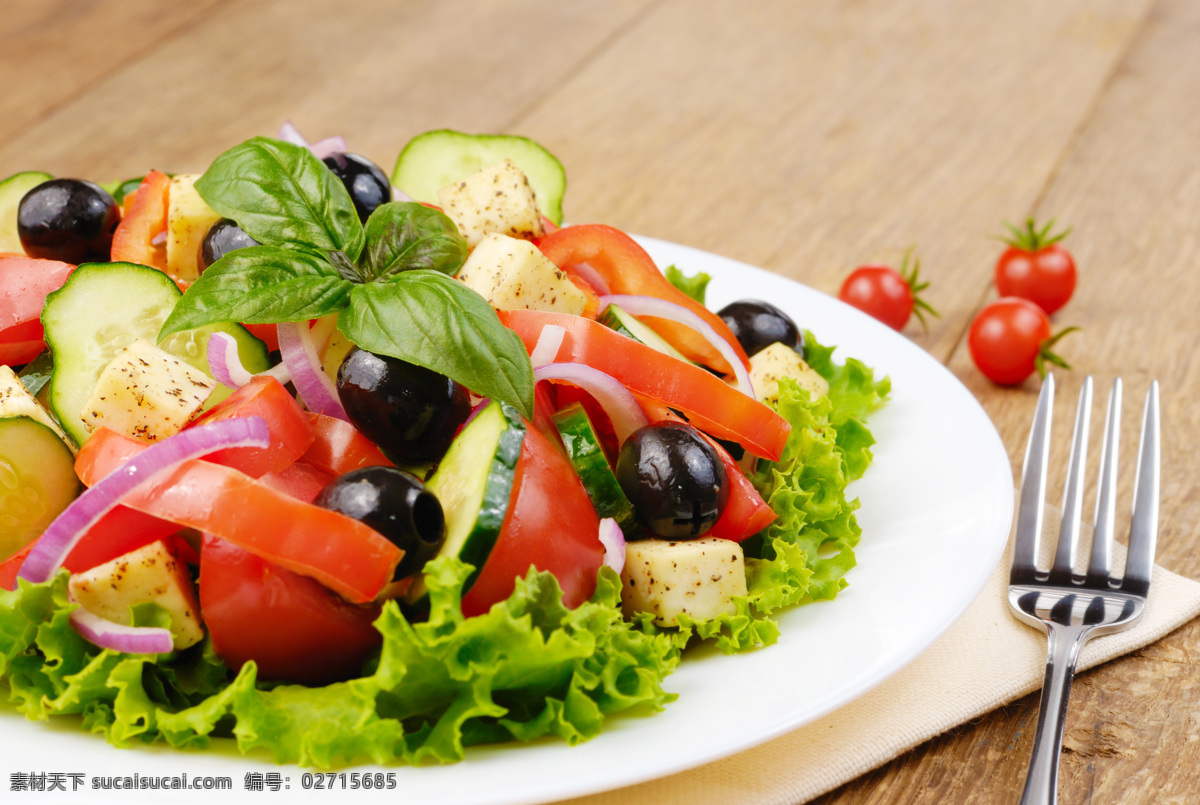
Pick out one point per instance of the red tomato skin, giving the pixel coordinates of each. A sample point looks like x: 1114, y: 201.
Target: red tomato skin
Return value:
x: 24, y: 284
x: 299, y: 480
x: 550, y: 525
x: 1005, y: 337
x: 880, y: 292
x: 1046, y: 277
x: 338, y: 447
x: 289, y: 625
x: 292, y: 432
x: 265, y: 333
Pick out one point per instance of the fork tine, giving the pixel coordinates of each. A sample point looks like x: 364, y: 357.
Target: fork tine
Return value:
x: 1100, y: 563
x: 1072, y: 508
x: 1033, y: 488
x: 1143, y: 531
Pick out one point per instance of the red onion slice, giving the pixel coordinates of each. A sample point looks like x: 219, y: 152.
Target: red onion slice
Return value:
x: 300, y: 357
x: 157, y: 460
x: 548, y: 344
x: 613, y: 540
x: 616, y: 400
x: 662, y: 309
x: 400, y: 195
x: 328, y: 147
x: 289, y: 133
x: 224, y: 363
x: 129, y: 639
x: 592, y: 277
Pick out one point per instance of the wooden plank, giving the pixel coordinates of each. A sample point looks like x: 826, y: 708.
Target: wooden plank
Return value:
x: 1131, y: 188
x: 813, y: 138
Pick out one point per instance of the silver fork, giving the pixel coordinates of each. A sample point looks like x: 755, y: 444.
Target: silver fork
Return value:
x: 1072, y: 608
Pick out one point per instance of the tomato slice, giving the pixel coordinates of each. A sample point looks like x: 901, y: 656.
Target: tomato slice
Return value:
x: 628, y: 269
x: 339, y: 447
x: 340, y: 552
x: 24, y: 283
x: 299, y: 480
x: 709, y: 403
x: 265, y: 333
x: 292, y: 432
x: 288, y: 624
x: 550, y: 525
x: 145, y: 219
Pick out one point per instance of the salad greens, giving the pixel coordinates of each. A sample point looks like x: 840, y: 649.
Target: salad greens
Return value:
x: 528, y: 668
x: 694, y: 285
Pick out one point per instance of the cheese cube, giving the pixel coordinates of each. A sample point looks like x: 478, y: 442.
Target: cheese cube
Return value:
x: 188, y: 220
x: 15, y: 400
x: 667, y: 578
x: 150, y: 574
x: 497, y: 199
x: 146, y: 393
x: 513, y: 275
x: 778, y: 361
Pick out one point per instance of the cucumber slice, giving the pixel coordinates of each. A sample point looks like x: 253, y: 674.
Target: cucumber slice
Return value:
x: 102, y: 309
x: 12, y: 190
x: 436, y: 159
x: 37, y: 481
x: 626, y: 324
x: 592, y: 467
x: 474, y: 483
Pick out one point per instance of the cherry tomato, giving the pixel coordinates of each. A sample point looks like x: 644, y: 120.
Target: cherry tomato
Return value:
x: 886, y: 294
x: 1011, y: 338
x: 1036, y: 267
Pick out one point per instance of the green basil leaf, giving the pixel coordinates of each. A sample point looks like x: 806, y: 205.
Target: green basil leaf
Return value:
x: 282, y: 195
x: 406, y: 236
x: 260, y: 285
x: 427, y: 318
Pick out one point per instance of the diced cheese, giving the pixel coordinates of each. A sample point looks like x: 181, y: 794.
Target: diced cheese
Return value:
x: 150, y: 574
x: 776, y: 362
x: 497, y: 199
x: 15, y: 400
x: 188, y: 220
x: 513, y: 275
x: 146, y: 393
x: 667, y: 578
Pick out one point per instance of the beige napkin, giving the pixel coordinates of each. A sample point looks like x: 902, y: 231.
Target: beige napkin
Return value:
x: 985, y: 660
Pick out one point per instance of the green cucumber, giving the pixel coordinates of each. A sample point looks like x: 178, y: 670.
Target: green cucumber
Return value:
x: 474, y: 483
x: 592, y: 467
x: 437, y: 159
x: 37, y: 480
x: 617, y: 319
x: 12, y: 190
x: 103, y: 308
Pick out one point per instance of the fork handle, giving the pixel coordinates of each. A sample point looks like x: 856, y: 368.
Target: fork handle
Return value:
x: 1064, y: 642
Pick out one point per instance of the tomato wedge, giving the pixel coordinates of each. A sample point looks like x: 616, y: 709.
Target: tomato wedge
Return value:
x: 340, y: 552
x: 291, y: 431
x: 339, y: 447
x: 628, y: 269
x: 24, y: 283
x: 146, y: 219
x: 709, y: 403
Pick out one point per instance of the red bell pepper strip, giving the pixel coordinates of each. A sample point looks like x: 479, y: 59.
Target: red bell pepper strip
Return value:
x: 725, y: 411
x: 133, y: 240
x: 628, y: 269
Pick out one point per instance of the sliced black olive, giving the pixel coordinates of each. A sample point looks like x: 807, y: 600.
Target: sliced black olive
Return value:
x: 397, y: 505
x: 223, y: 237
x: 674, y: 478
x: 758, y: 324
x: 366, y: 182
x: 412, y: 413
x: 69, y: 220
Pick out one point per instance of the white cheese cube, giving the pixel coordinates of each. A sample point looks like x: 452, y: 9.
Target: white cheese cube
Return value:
x: 188, y: 220
x: 150, y: 574
x: 146, y: 393
x: 513, y: 275
x: 15, y: 400
x: 778, y: 361
x: 497, y: 199
x: 698, y: 578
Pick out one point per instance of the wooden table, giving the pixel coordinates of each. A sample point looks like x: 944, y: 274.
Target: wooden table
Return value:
x: 805, y: 138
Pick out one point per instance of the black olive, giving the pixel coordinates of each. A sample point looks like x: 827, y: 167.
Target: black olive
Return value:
x: 758, y: 324
x: 397, y: 505
x: 674, y: 479
x: 412, y: 413
x: 69, y: 220
x: 367, y: 183
x: 223, y: 237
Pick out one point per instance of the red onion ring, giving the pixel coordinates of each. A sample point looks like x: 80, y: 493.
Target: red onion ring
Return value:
x: 289, y: 133
x: 328, y: 147
x: 548, y: 344
x: 128, y: 639
x: 300, y: 357
x: 224, y: 364
x: 616, y: 400
x: 592, y: 277
x: 662, y: 309
x: 400, y: 195
x: 157, y: 460
x: 613, y: 540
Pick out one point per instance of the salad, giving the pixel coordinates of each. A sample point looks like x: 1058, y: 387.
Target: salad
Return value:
x: 354, y: 467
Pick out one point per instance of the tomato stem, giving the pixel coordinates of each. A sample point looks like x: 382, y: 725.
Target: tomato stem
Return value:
x: 1046, y: 355
x: 1032, y: 239
x: 910, y: 268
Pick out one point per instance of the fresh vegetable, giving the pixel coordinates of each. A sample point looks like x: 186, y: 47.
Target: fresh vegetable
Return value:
x: 613, y: 317
x: 138, y: 239
x: 38, y: 480
x: 1036, y: 267
x: 24, y: 284
x: 67, y: 219
x: 887, y: 294
x: 591, y: 465
x: 1011, y: 338
x: 674, y: 478
x: 291, y: 428
x: 339, y: 447
x: 12, y: 190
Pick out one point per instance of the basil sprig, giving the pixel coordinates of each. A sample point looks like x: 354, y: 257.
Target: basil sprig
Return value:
x: 389, y: 283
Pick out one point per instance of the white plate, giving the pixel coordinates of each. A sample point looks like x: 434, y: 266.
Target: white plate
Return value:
x: 936, y: 509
